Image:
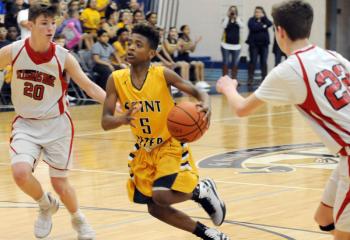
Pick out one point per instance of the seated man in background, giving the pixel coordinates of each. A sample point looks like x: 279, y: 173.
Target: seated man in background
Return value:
x: 102, y: 52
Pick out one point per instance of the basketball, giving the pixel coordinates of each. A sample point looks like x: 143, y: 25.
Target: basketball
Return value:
x: 185, y: 123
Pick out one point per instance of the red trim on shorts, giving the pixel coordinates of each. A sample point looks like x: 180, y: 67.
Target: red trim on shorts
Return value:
x: 310, y: 107
x: 13, y: 149
x: 322, y: 203
x: 60, y: 169
x: 64, y: 86
x: 346, y: 200
x: 13, y: 122
x: 71, y: 140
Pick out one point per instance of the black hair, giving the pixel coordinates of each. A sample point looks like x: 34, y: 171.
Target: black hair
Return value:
x: 120, y: 31
x: 148, y: 32
x: 149, y: 14
x: 100, y: 32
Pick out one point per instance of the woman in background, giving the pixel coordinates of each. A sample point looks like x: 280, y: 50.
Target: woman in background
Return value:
x: 230, y: 43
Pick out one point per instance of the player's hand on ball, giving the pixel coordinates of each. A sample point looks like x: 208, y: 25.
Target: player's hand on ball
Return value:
x: 206, y: 109
x: 226, y: 84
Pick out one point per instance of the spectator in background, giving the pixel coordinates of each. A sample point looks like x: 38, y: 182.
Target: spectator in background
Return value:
x: 74, y: 5
x: 125, y: 19
x: 3, y: 34
x: 101, y: 6
x: 112, y: 7
x: 63, y: 7
x: 134, y: 5
x: 162, y: 56
x: 91, y: 22
x: 258, y: 41
x: 230, y: 43
x: 12, y: 33
x: 138, y: 17
x: 5, y: 80
x: 278, y: 52
x: 152, y: 18
x: 12, y: 9
x: 121, y: 45
x: 102, y: 53
x: 111, y: 24
x: 171, y: 44
x: 72, y: 30
x: 186, y: 47
x: 22, y: 21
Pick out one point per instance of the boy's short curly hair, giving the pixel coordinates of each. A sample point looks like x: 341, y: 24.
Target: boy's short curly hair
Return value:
x: 148, y: 32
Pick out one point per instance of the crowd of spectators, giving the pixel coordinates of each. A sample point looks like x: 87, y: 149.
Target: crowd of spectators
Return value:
x: 97, y: 32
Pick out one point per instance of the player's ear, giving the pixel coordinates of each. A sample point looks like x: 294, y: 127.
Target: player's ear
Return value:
x: 152, y: 53
x: 30, y: 25
x: 279, y: 31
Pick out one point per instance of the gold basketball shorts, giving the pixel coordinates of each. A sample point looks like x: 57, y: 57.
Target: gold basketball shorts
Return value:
x: 167, y: 167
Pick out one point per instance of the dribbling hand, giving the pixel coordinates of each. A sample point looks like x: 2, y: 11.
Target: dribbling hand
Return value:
x: 206, y: 109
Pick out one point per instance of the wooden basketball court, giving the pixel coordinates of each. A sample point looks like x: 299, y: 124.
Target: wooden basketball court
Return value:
x: 271, y: 191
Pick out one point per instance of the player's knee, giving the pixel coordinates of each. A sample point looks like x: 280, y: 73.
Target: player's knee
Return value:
x: 153, y: 210
x: 21, y: 174
x: 160, y: 198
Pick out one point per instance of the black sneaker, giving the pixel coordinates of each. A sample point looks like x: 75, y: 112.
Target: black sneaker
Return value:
x: 206, y: 195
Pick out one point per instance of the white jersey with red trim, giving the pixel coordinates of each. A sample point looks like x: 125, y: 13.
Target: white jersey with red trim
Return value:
x: 317, y: 82
x: 38, y: 86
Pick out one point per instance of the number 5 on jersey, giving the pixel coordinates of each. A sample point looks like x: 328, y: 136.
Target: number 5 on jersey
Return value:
x: 146, y: 128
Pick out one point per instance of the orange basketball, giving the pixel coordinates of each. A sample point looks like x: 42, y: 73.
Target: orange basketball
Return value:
x: 185, y: 123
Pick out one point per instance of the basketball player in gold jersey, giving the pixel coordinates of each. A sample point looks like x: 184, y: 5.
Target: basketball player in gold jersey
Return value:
x: 162, y: 171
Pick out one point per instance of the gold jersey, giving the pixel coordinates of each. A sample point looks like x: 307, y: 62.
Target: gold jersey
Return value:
x: 156, y: 101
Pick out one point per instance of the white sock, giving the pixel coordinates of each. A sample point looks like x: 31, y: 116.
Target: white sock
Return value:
x: 78, y: 214
x: 44, y: 202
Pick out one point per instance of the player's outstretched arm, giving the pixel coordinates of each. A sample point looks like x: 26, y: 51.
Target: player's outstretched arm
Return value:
x: 5, y: 56
x: 79, y: 77
x: 240, y: 106
x: 109, y: 121
x: 186, y: 86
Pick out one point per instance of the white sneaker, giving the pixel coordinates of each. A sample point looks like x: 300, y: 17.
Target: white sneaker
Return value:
x: 213, y: 234
x: 84, y: 230
x: 43, y: 223
x: 202, y: 84
x: 206, y: 195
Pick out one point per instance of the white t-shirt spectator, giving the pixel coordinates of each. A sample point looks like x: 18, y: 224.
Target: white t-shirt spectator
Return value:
x: 23, y: 15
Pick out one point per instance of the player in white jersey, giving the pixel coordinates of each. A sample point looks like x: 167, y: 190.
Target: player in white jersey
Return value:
x: 317, y: 82
x: 43, y: 125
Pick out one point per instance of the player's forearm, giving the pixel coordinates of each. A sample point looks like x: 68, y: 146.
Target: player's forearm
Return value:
x: 236, y: 103
x: 110, y: 122
x: 96, y: 92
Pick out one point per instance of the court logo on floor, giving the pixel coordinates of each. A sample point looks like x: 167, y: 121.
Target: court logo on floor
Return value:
x: 282, y: 158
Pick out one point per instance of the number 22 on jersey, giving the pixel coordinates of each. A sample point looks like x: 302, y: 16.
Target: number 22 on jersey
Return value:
x: 337, y: 95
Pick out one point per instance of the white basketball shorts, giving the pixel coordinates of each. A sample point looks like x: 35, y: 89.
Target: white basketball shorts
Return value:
x: 53, y: 138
